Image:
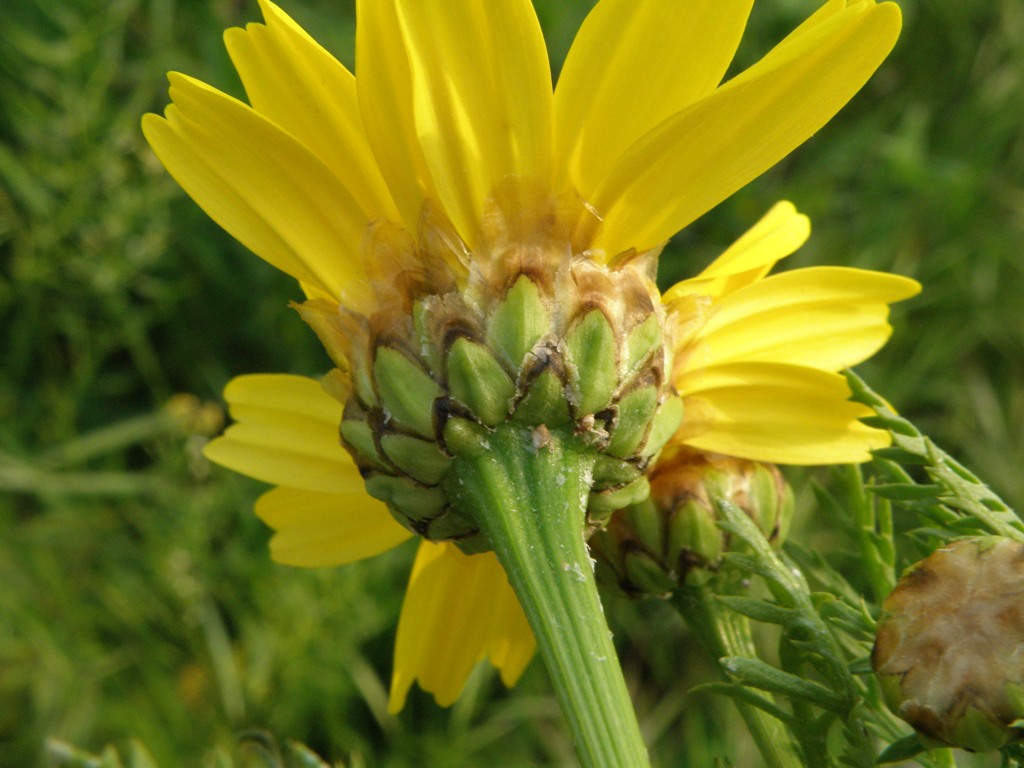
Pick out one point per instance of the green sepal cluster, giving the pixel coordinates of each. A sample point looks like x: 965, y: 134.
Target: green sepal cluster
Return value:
x: 673, y: 536
x: 440, y: 389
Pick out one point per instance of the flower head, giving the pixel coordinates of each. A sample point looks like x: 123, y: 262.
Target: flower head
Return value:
x: 475, y: 248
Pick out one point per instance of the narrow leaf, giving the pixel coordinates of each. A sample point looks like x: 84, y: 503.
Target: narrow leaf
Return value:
x: 759, y: 610
x: 758, y: 674
x: 903, y: 492
x: 745, y: 695
x: 903, y: 749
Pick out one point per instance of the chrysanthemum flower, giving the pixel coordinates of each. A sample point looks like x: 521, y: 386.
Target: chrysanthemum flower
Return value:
x: 411, y: 204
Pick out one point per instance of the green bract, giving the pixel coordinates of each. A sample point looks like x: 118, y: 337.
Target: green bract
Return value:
x: 466, y: 373
x: 523, y: 336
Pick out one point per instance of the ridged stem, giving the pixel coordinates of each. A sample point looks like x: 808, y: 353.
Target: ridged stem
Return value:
x: 722, y: 632
x: 528, y: 492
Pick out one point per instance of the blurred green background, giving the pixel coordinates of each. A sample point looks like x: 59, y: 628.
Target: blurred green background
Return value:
x: 137, y: 599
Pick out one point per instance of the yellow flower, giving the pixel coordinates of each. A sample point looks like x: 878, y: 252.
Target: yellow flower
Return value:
x: 756, y: 357
x: 454, y: 104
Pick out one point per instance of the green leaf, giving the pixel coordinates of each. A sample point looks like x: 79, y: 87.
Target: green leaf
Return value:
x: 747, y: 696
x: 904, y: 749
x: 899, y: 455
x: 759, y: 610
x: 758, y: 674
x: 952, y: 483
x: 902, y: 492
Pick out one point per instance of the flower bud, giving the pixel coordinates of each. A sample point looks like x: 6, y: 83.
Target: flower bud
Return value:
x: 525, y: 333
x: 949, y: 646
x: 650, y: 547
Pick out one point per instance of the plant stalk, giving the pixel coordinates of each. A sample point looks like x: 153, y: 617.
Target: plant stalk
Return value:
x: 528, y: 492
x: 722, y: 632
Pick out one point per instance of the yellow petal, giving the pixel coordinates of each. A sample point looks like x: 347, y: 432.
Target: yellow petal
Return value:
x: 303, y: 89
x: 785, y: 414
x: 313, y: 530
x: 384, y: 87
x: 826, y: 12
x: 481, y: 98
x: 286, y: 433
x: 628, y: 70
x: 705, y: 153
x: 822, y: 317
x: 458, y: 610
x: 778, y: 234
x: 262, y: 186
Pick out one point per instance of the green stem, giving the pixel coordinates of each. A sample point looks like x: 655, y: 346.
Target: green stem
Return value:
x: 722, y: 632
x: 872, y: 530
x: 528, y: 492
